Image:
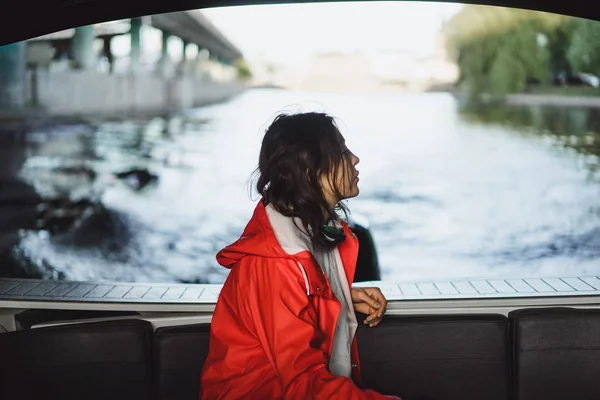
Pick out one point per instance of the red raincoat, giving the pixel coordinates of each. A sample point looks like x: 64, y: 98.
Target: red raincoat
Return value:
x: 273, y: 326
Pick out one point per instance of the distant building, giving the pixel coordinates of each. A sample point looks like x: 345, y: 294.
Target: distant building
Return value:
x: 386, y: 70
x: 395, y: 67
x: 339, y: 72
x: 357, y: 71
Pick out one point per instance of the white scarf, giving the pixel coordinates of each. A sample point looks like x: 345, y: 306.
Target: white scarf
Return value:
x: 293, y: 241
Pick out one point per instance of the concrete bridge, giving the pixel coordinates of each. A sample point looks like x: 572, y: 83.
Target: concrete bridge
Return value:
x: 29, y: 73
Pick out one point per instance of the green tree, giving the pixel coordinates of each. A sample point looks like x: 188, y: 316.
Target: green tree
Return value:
x: 559, y: 40
x: 499, y: 50
x: 509, y: 75
x: 584, y: 49
x: 243, y: 70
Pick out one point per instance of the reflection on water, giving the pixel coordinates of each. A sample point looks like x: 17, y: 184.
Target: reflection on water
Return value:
x: 491, y: 192
x: 568, y: 128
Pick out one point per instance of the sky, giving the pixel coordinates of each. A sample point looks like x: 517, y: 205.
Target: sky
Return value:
x: 288, y: 33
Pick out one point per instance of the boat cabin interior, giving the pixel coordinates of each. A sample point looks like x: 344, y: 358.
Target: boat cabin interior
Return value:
x: 73, y: 340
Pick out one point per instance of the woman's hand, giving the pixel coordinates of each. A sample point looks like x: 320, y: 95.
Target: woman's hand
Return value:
x: 369, y: 301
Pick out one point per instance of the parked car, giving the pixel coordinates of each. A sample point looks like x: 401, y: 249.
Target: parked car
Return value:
x: 591, y: 79
x: 576, y: 79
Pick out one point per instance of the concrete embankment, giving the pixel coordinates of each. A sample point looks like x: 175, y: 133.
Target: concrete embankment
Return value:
x: 82, y: 93
x: 553, y: 100
x: 530, y: 99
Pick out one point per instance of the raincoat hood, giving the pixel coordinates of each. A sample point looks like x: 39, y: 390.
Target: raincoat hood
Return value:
x: 268, y: 234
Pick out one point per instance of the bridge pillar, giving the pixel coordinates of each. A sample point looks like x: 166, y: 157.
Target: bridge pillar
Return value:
x: 12, y: 75
x: 184, y: 46
x: 136, y: 48
x: 165, y: 61
x: 192, y: 51
x: 165, y: 44
x: 83, y: 47
x: 182, y: 67
x: 108, y: 53
x: 202, y: 56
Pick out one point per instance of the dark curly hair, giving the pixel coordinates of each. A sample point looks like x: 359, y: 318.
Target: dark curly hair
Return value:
x: 296, y: 150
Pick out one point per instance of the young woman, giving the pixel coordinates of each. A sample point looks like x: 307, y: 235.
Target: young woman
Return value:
x: 284, y: 325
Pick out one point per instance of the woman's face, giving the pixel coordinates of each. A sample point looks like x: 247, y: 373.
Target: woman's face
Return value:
x: 344, y: 177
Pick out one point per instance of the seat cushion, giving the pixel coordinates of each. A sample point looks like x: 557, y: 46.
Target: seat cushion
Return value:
x: 556, y: 353
x: 441, y: 357
x: 180, y: 353
x: 104, y: 360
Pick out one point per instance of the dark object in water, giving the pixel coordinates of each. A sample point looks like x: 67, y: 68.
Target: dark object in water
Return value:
x: 137, y: 179
x: 78, y: 171
x: 17, y: 206
x: 58, y: 215
x: 103, y: 230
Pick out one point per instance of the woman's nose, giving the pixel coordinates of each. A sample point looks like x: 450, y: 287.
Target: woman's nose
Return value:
x: 355, y: 159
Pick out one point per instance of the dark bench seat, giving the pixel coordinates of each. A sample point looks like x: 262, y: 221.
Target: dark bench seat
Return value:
x: 108, y: 360
x: 443, y: 357
x: 556, y: 354
x: 543, y: 354
x: 180, y: 352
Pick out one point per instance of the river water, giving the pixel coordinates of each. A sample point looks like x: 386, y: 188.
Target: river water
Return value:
x: 449, y: 193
